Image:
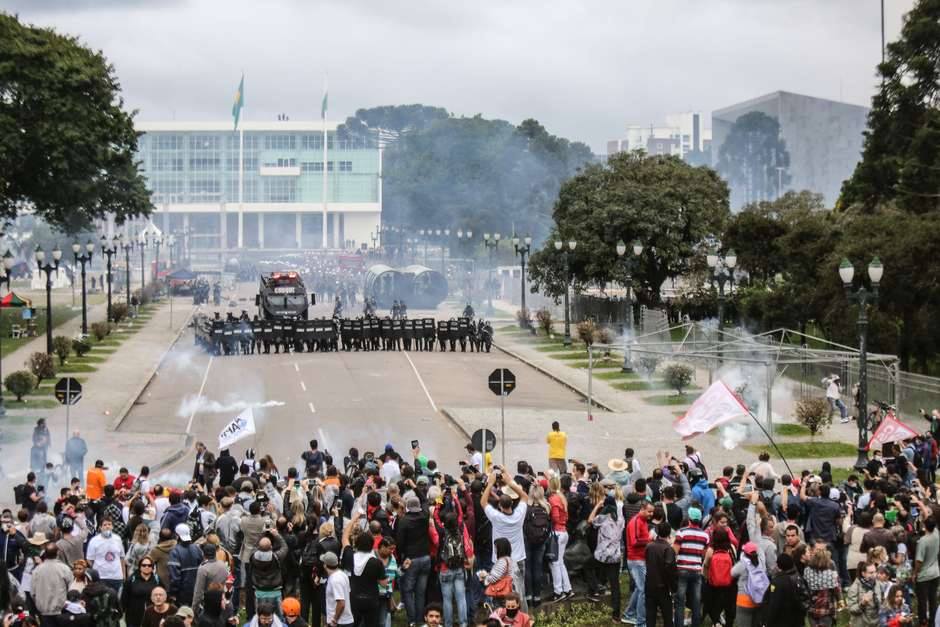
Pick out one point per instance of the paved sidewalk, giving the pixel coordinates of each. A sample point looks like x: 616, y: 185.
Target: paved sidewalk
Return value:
x: 106, y: 395
x: 631, y: 421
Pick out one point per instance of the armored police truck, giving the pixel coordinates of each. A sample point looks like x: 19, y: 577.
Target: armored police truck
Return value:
x: 281, y: 295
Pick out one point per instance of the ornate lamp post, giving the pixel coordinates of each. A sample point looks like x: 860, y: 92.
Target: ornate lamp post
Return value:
x: 864, y: 297
x: 467, y: 236
x: 628, y: 263
x: 108, y: 249
x: 157, y: 241
x: 48, y: 268
x: 84, y: 258
x: 445, y: 241
x: 142, y: 245
x: 8, y: 260
x: 559, y: 245
x: 522, y: 248
x: 127, y: 246
x: 722, y: 272
x: 491, y: 243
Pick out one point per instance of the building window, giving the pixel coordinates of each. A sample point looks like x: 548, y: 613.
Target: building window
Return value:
x: 167, y: 142
x: 311, y: 166
x: 204, y: 164
x: 345, y: 166
x: 166, y: 164
x: 280, y: 189
x: 329, y: 166
x: 206, y: 190
x: 311, y: 142
x: 205, y: 142
x: 280, y: 142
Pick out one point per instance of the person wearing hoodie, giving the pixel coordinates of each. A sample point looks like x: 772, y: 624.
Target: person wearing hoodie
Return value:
x: 414, y: 555
x: 73, y: 613
x: 265, y: 562
x: 176, y: 513
x: 184, y: 561
x: 210, y: 571
x: 366, y: 573
x: 784, y: 603
x: 160, y: 554
x: 700, y: 490
x: 215, y: 611
x: 227, y: 468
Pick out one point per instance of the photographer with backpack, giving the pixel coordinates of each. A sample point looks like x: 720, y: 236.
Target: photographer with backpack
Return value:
x: 536, y: 529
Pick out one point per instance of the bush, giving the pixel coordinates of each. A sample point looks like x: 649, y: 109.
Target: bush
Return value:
x: 118, y: 312
x: 20, y: 383
x: 602, y: 335
x: 42, y: 365
x: 80, y: 346
x: 100, y: 330
x: 678, y: 376
x: 62, y: 346
x: 524, y: 318
x: 813, y: 413
x: 586, y: 330
x: 545, y: 320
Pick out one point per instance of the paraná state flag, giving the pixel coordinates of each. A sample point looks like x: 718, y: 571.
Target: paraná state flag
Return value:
x: 239, y: 101
x: 717, y: 405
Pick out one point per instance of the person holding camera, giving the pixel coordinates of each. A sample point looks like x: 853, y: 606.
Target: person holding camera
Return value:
x: 508, y: 520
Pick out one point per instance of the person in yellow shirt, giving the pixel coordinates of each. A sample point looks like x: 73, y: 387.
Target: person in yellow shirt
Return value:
x: 557, y: 444
x: 95, y: 481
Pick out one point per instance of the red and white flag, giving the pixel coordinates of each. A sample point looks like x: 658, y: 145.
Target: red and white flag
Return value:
x: 891, y: 430
x: 717, y: 405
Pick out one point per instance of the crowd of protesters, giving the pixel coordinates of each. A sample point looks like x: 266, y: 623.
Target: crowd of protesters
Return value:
x: 358, y: 538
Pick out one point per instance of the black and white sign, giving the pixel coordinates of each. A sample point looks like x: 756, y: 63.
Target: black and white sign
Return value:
x: 68, y: 391
x: 502, y: 382
x: 483, y: 440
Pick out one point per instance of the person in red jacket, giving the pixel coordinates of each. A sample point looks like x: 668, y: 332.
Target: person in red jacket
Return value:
x: 124, y: 481
x: 638, y: 536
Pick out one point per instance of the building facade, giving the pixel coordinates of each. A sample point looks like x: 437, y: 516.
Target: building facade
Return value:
x: 682, y: 136
x: 823, y: 138
x: 192, y: 170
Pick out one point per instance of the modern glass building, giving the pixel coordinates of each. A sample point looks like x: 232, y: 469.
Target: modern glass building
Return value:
x: 192, y: 168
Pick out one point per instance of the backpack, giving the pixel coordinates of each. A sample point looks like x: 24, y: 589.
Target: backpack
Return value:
x: 803, y: 595
x: 194, y: 522
x: 697, y: 460
x: 104, y: 610
x: 719, y: 569
x: 537, y: 525
x: 19, y: 493
x: 452, y: 552
x: 757, y: 582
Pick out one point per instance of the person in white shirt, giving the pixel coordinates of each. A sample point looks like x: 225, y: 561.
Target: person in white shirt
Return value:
x: 105, y: 553
x: 338, y: 606
x: 834, y: 396
x: 507, y: 522
x: 390, y: 471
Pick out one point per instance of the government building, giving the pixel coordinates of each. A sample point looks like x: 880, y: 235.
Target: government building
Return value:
x: 192, y: 170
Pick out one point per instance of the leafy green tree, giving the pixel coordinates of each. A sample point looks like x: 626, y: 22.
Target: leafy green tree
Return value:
x: 901, y: 156
x: 668, y: 205
x: 67, y: 147
x: 678, y: 376
x: 20, y: 383
x: 42, y: 365
x: 393, y: 119
x: 62, y: 346
x: 750, y: 157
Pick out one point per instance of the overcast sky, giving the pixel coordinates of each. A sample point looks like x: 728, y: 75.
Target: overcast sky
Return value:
x: 584, y: 68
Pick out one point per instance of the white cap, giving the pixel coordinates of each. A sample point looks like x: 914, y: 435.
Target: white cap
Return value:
x: 834, y: 494
x: 182, y: 530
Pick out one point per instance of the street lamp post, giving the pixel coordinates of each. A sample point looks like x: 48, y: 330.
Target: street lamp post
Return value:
x: 156, y: 263
x: 864, y: 297
x: 559, y: 245
x: 48, y: 268
x: 84, y: 258
x: 142, y: 245
x: 8, y: 260
x: 628, y: 263
x: 467, y: 236
x: 108, y: 249
x: 127, y: 246
x: 491, y: 243
x: 523, y: 248
x: 722, y: 272
x: 445, y: 240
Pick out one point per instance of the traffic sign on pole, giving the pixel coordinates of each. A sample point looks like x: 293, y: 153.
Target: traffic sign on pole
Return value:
x: 68, y: 391
x: 502, y: 381
x: 483, y: 440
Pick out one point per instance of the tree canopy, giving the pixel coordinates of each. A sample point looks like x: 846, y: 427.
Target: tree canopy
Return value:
x: 469, y: 172
x: 901, y: 156
x: 750, y: 157
x: 67, y: 146
x: 666, y: 204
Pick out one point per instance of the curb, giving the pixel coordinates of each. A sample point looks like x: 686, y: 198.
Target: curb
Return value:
x: 557, y: 379
x: 126, y: 409
x: 454, y: 422
x: 187, y: 446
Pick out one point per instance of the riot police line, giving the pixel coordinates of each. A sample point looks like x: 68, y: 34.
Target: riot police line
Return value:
x: 244, y: 336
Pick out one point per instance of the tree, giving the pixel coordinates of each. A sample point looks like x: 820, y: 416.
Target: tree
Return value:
x: 42, y: 366
x: 62, y: 346
x: 545, y: 320
x: 20, y: 383
x: 67, y: 147
x: 814, y: 413
x: 668, y: 205
x: 901, y: 155
x: 81, y: 346
x: 678, y: 376
x: 754, y: 159
x: 586, y: 330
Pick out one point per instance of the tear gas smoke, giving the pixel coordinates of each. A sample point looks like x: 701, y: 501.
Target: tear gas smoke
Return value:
x: 194, y: 404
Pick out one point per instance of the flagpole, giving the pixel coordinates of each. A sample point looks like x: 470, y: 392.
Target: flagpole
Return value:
x: 325, y: 161
x: 241, y: 171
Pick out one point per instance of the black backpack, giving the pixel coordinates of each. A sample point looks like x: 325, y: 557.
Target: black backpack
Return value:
x: 19, y: 493
x: 194, y: 522
x: 537, y: 526
x: 452, y: 552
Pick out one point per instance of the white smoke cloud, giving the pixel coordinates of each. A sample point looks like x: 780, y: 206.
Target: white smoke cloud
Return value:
x: 194, y: 404
x: 733, y: 435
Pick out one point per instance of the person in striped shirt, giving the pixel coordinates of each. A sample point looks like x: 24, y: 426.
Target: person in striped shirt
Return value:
x: 690, y: 544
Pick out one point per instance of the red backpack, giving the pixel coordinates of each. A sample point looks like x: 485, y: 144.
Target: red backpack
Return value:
x: 719, y: 569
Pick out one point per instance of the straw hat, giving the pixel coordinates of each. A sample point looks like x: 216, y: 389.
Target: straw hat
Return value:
x: 617, y: 464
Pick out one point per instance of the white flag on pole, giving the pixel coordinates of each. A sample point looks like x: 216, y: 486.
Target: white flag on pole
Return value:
x: 242, y: 426
x: 717, y: 405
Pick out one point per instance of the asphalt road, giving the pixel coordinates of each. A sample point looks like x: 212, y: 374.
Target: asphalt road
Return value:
x: 364, y: 399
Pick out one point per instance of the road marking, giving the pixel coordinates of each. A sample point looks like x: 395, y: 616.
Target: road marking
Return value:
x: 303, y: 386
x: 296, y: 367
x: 310, y: 405
x: 202, y: 387
x: 421, y: 381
